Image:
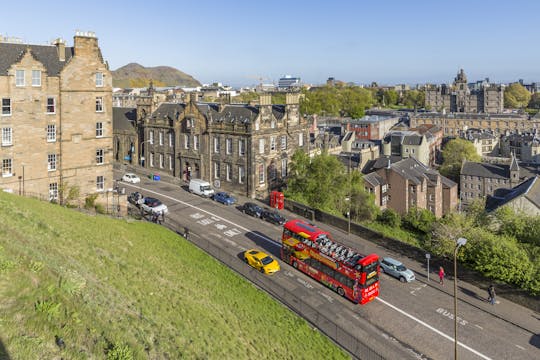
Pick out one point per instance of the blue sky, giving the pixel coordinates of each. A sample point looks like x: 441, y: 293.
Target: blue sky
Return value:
x: 236, y: 42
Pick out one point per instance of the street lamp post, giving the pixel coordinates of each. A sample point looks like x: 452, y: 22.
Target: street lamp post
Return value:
x: 459, y: 243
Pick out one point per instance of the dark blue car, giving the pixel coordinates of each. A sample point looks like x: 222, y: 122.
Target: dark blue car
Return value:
x: 224, y: 198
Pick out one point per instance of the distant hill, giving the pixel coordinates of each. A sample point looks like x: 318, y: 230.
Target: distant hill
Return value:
x: 135, y: 75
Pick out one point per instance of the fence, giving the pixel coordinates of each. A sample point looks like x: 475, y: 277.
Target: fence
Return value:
x: 343, y: 337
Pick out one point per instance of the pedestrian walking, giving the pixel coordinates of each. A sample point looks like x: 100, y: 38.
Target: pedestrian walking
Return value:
x: 441, y: 275
x: 186, y: 232
x: 491, y: 294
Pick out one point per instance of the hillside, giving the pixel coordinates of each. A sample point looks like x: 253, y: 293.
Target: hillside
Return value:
x: 124, y: 289
x: 135, y: 75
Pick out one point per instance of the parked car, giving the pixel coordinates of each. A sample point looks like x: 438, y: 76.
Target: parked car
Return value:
x: 136, y: 198
x: 252, y: 209
x: 396, y: 269
x: 131, y: 178
x: 154, y: 206
x: 261, y: 261
x: 224, y: 198
x: 273, y: 216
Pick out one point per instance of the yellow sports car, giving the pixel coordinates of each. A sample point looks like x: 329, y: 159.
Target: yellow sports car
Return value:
x: 261, y: 261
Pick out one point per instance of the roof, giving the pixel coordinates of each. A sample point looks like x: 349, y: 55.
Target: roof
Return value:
x: 374, y: 179
x: 412, y: 140
x: 495, y: 171
x: 124, y: 118
x: 46, y: 54
x: 530, y: 188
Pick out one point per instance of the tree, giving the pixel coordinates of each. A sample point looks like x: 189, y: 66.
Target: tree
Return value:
x: 419, y: 219
x: 534, y: 103
x: 414, y: 99
x: 516, y: 96
x: 390, y: 97
x: 390, y: 217
x: 454, y: 153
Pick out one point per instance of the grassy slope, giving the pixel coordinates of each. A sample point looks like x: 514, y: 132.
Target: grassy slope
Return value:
x: 99, y: 282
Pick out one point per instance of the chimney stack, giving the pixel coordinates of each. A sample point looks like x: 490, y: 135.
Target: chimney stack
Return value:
x: 60, y: 48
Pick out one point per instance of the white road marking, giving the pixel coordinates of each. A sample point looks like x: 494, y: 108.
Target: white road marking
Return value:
x: 520, y: 347
x: 432, y: 328
x: 478, y: 326
x: 326, y: 296
x: 216, y: 217
x: 418, y: 289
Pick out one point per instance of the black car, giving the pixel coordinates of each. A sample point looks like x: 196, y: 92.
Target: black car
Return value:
x: 273, y: 216
x: 252, y: 209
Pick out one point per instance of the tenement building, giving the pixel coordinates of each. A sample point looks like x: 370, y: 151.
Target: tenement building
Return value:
x: 56, y: 118
x: 458, y: 97
x: 242, y: 148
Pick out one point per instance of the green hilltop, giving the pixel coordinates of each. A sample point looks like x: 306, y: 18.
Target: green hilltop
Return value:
x: 127, y: 289
x: 135, y: 75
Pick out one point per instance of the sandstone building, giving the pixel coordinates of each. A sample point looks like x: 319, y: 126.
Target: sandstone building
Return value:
x: 56, y: 118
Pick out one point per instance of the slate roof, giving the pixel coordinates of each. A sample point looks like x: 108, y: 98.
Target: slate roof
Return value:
x: 124, y: 118
x: 412, y: 140
x: 381, y: 162
x: 529, y: 188
x: 46, y: 54
x: 374, y: 179
x: 495, y: 171
x: 231, y: 113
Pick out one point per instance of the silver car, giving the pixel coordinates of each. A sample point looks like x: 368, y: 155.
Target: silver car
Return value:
x: 396, y: 269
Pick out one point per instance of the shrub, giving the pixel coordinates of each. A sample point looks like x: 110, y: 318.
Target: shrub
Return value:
x: 390, y: 217
x: 119, y: 352
x: 90, y: 201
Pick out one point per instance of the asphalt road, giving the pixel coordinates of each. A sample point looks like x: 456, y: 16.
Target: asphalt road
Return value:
x: 411, y: 320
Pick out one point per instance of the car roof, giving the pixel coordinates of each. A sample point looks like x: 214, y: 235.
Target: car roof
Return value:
x: 392, y: 261
x: 130, y: 174
x: 251, y: 204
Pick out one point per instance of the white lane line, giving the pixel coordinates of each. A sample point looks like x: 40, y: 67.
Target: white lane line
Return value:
x: 214, y: 216
x: 432, y: 328
x: 520, y: 347
x: 478, y: 326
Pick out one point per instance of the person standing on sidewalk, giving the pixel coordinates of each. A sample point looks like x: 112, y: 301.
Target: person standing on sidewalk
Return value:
x: 491, y: 294
x: 441, y: 275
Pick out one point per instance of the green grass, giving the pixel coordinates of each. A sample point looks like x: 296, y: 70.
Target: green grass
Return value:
x: 126, y: 289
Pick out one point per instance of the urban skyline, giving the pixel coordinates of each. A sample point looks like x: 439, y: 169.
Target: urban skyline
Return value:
x: 239, y: 44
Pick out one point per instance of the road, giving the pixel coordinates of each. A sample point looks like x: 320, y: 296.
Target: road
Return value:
x: 411, y: 320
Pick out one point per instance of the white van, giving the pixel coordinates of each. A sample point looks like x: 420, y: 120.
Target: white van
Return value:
x: 200, y: 187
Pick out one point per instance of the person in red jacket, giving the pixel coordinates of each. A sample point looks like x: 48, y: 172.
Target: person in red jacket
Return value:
x: 441, y: 275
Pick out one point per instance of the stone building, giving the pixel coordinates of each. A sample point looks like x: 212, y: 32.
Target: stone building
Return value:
x: 484, y: 141
x: 409, y: 184
x: 423, y: 143
x: 458, y: 97
x: 56, y: 118
x: 242, y: 148
x: 525, y: 146
x: 455, y: 124
x: 126, y: 137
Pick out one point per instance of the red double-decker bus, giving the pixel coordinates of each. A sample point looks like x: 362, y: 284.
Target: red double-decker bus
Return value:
x: 312, y: 251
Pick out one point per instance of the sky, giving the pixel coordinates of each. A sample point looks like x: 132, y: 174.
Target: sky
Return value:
x: 239, y: 42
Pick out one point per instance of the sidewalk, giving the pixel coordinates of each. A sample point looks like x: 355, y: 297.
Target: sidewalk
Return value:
x: 518, y: 315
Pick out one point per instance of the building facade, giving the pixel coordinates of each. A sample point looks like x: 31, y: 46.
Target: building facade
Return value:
x: 525, y: 146
x: 56, y: 118
x: 371, y: 127
x: 409, y: 184
x: 423, y: 143
x: 240, y: 148
x: 458, y: 97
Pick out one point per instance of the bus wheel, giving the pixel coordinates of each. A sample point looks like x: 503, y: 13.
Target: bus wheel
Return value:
x: 340, y: 291
x: 295, y: 265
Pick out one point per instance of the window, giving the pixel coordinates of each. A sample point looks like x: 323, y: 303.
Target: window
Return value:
x: 7, y: 136
x: 283, y: 167
x: 261, y: 146
x: 100, y: 183
x: 36, y: 77
x: 99, y: 104
x: 228, y: 174
x: 99, y: 156
x: 229, y: 146
x: 431, y: 197
x: 151, y: 137
x: 160, y: 136
x: 216, y: 144
x: 272, y: 124
x: 161, y: 161
x: 51, y: 133
x: 384, y: 200
x: 301, y: 139
x: 99, y: 79
x: 99, y: 129
x: 51, y: 105
x: 6, y: 167
x: 261, y: 174
x: 186, y: 141
x: 284, y: 142
x: 272, y: 143
x: 6, y: 106
x: 241, y: 175
x: 384, y: 188
x: 151, y: 159
x: 19, y: 78
x: 195, y: 142
x: 53, y: 191
x: 51, y: 162
x: 257, y: 125
x: 216, y: 170
x: 170, y: 139
x: 171, y: 162
x: 241, y: 147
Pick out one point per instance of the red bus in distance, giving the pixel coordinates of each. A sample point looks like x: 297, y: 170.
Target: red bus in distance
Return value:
x: 342, y: 269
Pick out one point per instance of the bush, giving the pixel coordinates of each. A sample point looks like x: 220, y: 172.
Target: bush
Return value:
x: 419, y: 219
x: 390, y: 217
x: 100, y: 209
x: 119, y: 352
x: 90, y: 201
